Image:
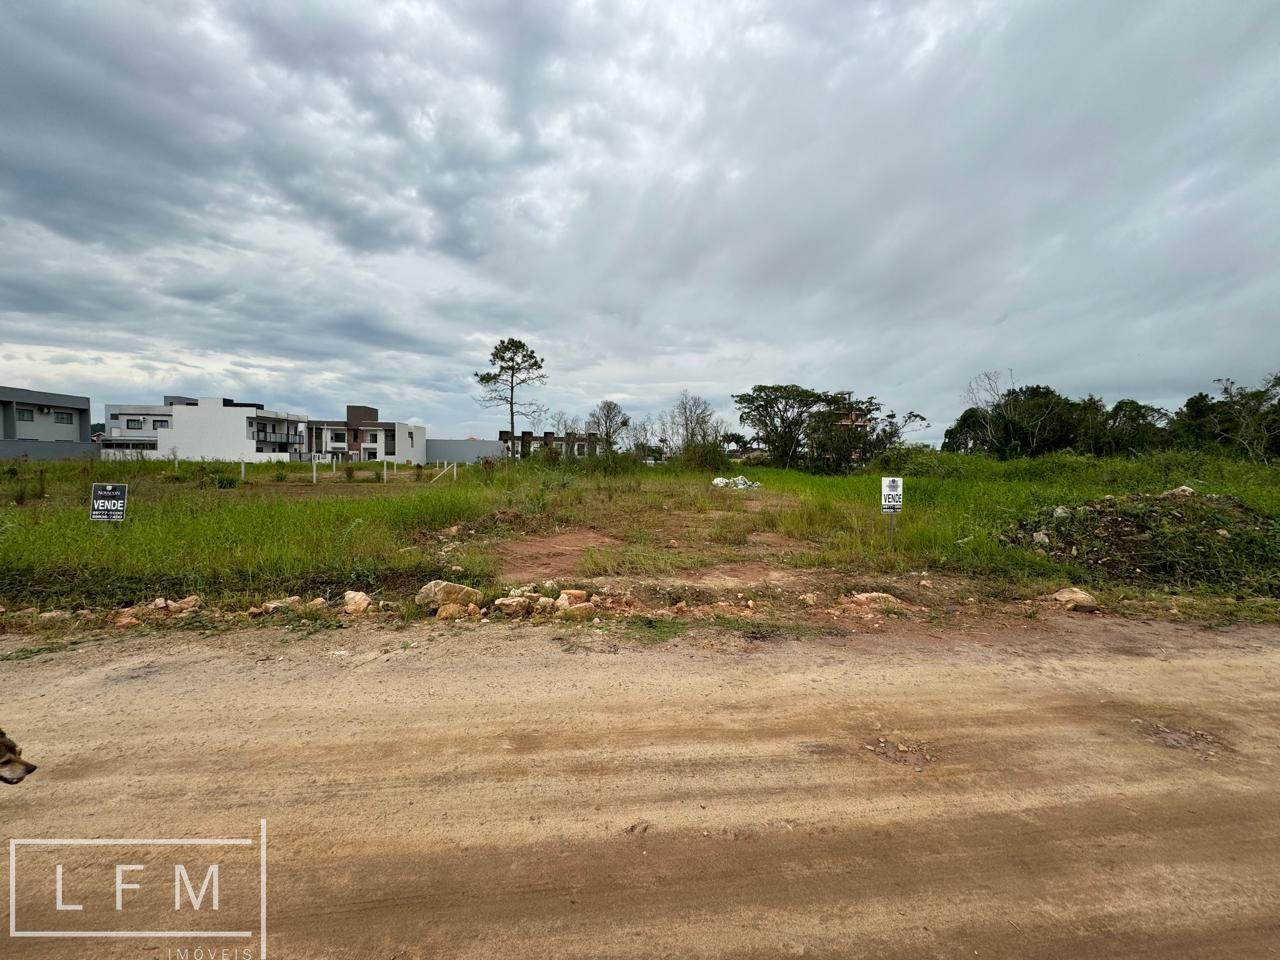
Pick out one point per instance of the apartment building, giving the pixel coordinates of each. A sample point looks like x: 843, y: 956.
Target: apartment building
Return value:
x: 570, y: 445
x: 35, y: 425
x: 363, y: 436
x: 203, y: 428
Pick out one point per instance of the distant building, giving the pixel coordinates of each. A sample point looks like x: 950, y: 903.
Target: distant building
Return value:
x: 35, y: 425
x: 204, y: 428
x: 570, y: 445
x: 363, y: 437
x: 470, y: 450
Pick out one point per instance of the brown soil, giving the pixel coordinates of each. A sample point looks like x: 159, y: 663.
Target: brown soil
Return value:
x: 509, y: 790
x: 547, y: 557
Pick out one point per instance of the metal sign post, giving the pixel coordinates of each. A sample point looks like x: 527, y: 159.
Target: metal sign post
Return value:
x: 891, y: 501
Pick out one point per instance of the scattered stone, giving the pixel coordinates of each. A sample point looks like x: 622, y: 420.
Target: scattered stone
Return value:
x: 256, y: 611
x: 1222, y: 533
x: 126, y: 620
x: 579, y: 611
x: 83, y: 614
x: 927, y: 584
x: 318, y: 602
x: 1182, y: 491
x: 549, y: 584
x: 451, y: 611
x: 516, y: 606
x: 159, y: 603
x: 437, y: 593
x: 473, y: 612
x: 388, y: 606
x: 1073, y: 598
x: 355, y: 603
x: 1041, y: 537
x: 55, y: 615
x: 186, y: 603
x: 809, y: 599
x: 569, y: 598
x: 545, y: 604
x: 737, y: 483
x: 1061, y: 512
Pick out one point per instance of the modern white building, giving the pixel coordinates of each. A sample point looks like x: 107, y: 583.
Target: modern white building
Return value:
x: 204, y: 428
x: 362, y: 436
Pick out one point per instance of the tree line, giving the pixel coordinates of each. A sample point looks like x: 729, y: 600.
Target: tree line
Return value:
x: 1007, y: 420
x: 789, y: 425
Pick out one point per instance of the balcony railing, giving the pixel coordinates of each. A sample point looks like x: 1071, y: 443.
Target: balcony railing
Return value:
x: 269, y: 437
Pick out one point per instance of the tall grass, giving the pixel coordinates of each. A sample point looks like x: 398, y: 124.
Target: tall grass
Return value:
x: 200, y: 530
x: 204, y: 542
x: 957, y: 506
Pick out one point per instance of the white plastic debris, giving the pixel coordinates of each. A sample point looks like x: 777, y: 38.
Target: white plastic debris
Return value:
x: 737, y: 483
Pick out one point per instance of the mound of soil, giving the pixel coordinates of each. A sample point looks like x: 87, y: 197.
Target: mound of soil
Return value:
x: 1170, y: 539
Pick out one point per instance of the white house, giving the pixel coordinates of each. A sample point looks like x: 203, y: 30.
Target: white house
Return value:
x: 205, y: 428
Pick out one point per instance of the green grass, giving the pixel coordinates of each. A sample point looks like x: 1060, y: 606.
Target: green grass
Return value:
x: 956, y: 507
x: 221, y: 544
x: 203, y: 531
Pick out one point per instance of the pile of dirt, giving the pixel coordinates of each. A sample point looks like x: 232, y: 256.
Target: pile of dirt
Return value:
x: 1178, y: 538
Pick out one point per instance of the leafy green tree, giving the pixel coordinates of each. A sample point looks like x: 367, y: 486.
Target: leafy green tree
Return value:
x: 779, y: 414
x: 512, y: 365
x: 1248, y: 418
x: 848, y: 432
x: 1133, y: 428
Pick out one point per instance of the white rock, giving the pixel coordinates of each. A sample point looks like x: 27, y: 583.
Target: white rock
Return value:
x: 355, y: 603
x: 437, y: 593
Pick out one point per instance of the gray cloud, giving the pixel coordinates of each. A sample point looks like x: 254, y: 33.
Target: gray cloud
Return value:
x: 313, y: 204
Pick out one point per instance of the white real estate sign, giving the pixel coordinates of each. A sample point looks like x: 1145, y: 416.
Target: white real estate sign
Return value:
x: 890, y: 494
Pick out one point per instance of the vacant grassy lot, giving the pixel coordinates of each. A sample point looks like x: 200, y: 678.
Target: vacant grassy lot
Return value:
x: 202, y: 530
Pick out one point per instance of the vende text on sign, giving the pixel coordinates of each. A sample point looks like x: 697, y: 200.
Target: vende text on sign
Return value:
x: 108, y: 501
x: 890, y: 494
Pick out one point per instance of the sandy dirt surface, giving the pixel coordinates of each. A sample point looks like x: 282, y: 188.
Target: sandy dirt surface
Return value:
x: 1067, y: 787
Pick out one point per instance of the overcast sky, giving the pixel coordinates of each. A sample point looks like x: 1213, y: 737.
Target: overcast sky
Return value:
x: 308, y: 205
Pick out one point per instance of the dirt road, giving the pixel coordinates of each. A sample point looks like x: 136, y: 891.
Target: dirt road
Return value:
x: 1073, y: 787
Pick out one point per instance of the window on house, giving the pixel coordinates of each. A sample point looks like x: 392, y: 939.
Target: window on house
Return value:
x: 60, y: 416
x: 160, y: 424
x: 373, y: 436
x: 339, y: 436
x: 115, y: 416
x: 411, y: 438
x: 133, y: 424
x: 27, y: 415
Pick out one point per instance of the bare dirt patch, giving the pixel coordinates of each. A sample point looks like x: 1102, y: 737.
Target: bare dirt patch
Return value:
x: 738, y: 576
x: 1201, y: 743
x: 547, y: 558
